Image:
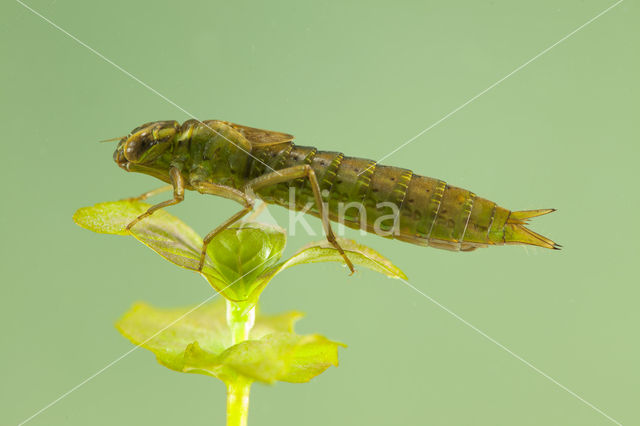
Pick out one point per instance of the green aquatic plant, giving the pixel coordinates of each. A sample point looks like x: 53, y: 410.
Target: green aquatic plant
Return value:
x: 230, y: 340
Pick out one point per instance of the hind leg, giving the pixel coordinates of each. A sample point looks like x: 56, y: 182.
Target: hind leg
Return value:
x: 296, y: 172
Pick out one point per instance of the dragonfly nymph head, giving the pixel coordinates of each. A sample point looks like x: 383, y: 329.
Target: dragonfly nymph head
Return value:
x: 145, y: 143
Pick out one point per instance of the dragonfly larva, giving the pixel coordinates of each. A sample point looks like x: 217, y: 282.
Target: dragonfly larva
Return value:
x: 241, y: 163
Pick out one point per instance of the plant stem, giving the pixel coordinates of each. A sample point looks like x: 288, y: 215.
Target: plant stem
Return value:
x: 238, y: 402
x: 240, y: 321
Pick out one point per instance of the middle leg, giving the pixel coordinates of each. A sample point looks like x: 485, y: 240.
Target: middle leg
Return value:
x: 226, y: 192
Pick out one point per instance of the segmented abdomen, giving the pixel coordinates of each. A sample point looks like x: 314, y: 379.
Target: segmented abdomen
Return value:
x: 395, y: 202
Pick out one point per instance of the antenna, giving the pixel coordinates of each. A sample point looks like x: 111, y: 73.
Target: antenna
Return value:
x: 112, y: 139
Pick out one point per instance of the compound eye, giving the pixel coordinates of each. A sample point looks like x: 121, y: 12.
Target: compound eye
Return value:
x: 137, y: 145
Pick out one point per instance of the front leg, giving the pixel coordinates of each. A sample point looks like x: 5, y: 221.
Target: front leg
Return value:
x: 226, y: 192
x: 178, y: 196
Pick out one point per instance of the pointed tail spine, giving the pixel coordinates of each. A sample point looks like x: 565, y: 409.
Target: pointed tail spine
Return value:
x: 515, y: 231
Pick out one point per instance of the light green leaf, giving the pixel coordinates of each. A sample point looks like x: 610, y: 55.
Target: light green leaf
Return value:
x: 283, y: 356
x: 323, y: 251
x: 242, y: 253
x: 197, y: 340
x: 112, y: 217
x: 163, y: 233
x: 234, y: 258
x: 168, y: 332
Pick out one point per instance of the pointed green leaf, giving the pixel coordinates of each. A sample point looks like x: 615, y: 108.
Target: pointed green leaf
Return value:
x: 112, y: 217
x: 323, y: 251
x: 163, y: 233
x: 235, y: 258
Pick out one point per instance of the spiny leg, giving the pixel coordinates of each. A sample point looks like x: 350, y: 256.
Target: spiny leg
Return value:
x: 257, y: 212
x: 226, y: 192
x: 296, y: 172
x: 178, y: 196
x: 149, y: 194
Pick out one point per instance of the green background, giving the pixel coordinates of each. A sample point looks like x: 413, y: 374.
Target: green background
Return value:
x: 359, y: 77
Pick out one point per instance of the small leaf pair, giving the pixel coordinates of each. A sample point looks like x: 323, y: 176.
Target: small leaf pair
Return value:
x: 199, y: 341
x: 240, y: 261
